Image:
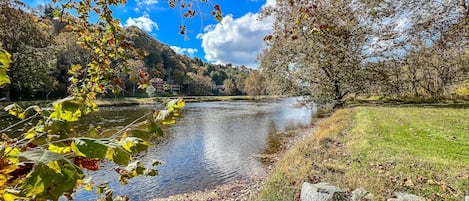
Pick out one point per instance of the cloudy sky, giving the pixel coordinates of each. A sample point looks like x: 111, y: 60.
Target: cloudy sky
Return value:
x: 236, y: 40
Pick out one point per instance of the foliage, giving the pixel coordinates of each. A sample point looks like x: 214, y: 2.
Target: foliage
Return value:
x: 44, y: 163
x: 340, y: 49
x: 23, y: 35
x: 319, y: 49
x: 5, y: 60
x: 255, y: 84
x: 31, y: 70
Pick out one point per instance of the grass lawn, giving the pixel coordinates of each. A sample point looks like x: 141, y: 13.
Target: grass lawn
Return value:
x: 424, y: 151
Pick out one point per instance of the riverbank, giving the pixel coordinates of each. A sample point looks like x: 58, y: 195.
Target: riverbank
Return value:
x: 155, y: 100
x: 423, y: 151
x: 130, y: 101
x: 413, y: 149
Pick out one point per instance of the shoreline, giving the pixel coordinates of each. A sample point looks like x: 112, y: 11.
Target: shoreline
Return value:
x: 248, y: 189
x: 130, y: 101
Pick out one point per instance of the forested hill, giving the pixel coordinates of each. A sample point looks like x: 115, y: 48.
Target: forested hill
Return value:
x: 43, y: 49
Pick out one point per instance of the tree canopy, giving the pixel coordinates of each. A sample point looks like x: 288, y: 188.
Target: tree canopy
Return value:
x: 341, y: 49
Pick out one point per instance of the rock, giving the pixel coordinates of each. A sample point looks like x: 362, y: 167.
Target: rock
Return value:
x: 360, y: 194
x: 321, y: 192
x: 398, y: 196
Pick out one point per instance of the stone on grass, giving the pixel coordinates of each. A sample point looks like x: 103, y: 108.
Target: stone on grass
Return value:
x: 398, y: 196
x: 322, y: 192
x: 360, y: 194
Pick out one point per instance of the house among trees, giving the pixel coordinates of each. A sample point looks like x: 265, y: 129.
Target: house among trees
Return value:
x: 162, y: 86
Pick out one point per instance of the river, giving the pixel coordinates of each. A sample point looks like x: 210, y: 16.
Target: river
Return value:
x: 212, y: 144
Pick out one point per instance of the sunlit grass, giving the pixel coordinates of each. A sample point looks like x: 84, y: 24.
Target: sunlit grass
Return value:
x: 419, y: 150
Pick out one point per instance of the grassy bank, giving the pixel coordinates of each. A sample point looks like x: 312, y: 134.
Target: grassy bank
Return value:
x: 424, y: 151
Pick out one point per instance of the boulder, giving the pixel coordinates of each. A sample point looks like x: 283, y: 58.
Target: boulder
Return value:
x: 322, y: 192
x: 398, y: 196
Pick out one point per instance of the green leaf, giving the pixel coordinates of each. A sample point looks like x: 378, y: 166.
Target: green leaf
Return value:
x: 134, y: 145
x: 90, y: 148
x: 51, y: 176
x: 67, y: 109
x: 39, y: 156
x: 118, y: 156
x: 142, y: 134
x: 153, y: 127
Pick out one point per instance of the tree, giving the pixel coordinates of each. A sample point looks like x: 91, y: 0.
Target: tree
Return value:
x: 316, y: 48
x: 22, y: 38
x: 343, y: 48
x: 68, y: 53
x: 255, y: 84
x: 428, y: 47
x: 31, y: 71
x: 229, y: 87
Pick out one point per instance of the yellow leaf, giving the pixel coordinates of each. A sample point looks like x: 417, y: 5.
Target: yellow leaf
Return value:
x: 12, y: 151
x: 58, y: 149
x: 76, y: 150
x: 128, y: 145
x: 110, y: 153
x: 168, y: 121
x: 8, y: 169
x: 30, y: 134
x: 38, y: 187
x: 88, y: 187
x: 3, y: 180
x: 55, y: 166
x: 21, y: 115
x: 9, y: 197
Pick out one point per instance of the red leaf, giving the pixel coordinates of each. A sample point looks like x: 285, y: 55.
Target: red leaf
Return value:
x: 21, y: 171
x: 90, y: 164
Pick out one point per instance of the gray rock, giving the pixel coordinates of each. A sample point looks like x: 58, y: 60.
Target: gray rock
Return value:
x: 360, y: 194
x: 398, y: 196
x: 322, y: 192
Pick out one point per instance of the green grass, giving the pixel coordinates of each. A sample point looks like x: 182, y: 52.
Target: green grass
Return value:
x: 424, y: 151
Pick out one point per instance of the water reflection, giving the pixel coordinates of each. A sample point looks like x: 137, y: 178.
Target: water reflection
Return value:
x: 215, y: 142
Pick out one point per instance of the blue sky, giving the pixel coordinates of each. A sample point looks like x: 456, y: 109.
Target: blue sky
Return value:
x: 236, y: 40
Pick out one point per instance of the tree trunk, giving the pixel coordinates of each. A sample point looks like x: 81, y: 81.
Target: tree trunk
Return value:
x: 7, y: 96
x: 464, y: 7
x: 339, y: 102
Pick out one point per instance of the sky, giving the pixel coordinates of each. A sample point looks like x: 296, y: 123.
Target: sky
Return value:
x: 238, y: 39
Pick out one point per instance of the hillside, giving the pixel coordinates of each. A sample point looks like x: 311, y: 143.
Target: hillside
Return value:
x: 52, y: 50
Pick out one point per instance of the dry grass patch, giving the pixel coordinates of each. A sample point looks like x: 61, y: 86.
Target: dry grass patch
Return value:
x: 302, y: 163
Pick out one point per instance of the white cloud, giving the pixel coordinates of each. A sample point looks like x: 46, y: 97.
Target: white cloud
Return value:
x: 271, y: 3
x: 143, y: 22
x: 141, y: 3
x: 236, y: 40
x: 181, y: 50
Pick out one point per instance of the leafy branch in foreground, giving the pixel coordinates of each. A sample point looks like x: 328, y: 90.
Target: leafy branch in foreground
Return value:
x: 43, y: 163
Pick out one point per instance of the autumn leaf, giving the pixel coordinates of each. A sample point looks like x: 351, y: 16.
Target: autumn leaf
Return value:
x: 89, y: 164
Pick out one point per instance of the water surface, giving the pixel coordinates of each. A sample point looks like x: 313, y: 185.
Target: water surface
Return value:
x: 213, y: 143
